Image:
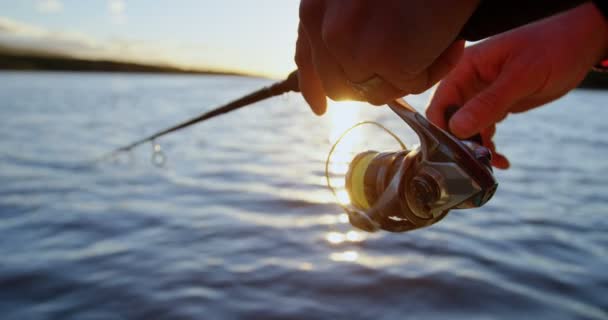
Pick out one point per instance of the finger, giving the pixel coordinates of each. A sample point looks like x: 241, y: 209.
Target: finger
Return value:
x: 341, y: 27
x: 331, y: 72
x: 429, y: 76
x: 382, y: 93
x: 498, y: 160
x: 445, y: 63
x: 333, y: 79
x: 491, y: 104
x: 408, y: 82
x: 310, y: 84
x: 445, y: 96
x: 455, y: 89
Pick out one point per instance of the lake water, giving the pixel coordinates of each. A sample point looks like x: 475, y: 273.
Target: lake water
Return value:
x: 240, y: 225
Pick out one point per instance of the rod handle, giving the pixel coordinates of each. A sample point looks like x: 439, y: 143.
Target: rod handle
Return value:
x: 291, y: 83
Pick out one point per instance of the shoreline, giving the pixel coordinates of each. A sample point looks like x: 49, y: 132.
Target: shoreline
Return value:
x: 40, y: 63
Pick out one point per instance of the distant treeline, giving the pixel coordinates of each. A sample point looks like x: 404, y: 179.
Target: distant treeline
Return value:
x: 10, y: 61
x: 33, y: 62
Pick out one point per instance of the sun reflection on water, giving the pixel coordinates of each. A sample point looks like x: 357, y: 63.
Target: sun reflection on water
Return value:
x: 334, y: 237
x: 346, y: 256
x: 341, y: 117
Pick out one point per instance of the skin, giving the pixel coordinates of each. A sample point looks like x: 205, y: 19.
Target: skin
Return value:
x: 408, y: 44
x: 519, y: 70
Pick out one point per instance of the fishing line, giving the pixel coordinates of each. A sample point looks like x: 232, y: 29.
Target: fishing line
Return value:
x: 342, y: 136
x: 158, y: 156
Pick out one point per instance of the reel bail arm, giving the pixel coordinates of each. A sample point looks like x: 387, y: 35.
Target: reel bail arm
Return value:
x: 410, y: 189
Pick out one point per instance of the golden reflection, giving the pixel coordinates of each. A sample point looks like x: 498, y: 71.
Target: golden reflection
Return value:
x: 334, y: 237
x: 305, y: 266
x: 341, y: 117
x: 346, y: 256
x: 328, y: 219
x: 354, y: 236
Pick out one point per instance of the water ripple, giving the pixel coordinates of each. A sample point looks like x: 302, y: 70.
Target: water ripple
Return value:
x: 240, y: 224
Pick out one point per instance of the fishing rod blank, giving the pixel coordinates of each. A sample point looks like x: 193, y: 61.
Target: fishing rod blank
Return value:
x: 287, y: 85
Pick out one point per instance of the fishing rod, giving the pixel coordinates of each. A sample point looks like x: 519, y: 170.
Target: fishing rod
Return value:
x: 404, y: 189
x: 483, y: 23
x: 290, y: 84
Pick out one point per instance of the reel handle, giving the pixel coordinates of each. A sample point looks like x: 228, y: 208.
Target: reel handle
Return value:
x: 449, y: 112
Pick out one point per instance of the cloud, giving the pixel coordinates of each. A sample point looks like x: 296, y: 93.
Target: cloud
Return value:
x: 49, y: 6
x: 9, y: 26
x: 19, y: 35
x: 117, y: 11
x: 26, y: 36
x: 117, y: 6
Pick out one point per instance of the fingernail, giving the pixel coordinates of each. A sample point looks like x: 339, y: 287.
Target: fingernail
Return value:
x: 463, y: 124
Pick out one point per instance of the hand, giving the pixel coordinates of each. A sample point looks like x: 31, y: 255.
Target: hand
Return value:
x: 518, y: 71
x: 409, y: 45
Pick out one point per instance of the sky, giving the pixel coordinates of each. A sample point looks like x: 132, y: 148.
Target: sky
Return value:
x: 254, y: 36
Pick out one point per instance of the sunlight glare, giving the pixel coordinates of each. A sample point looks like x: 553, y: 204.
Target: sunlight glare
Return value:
x: 350, y: 236
x: 346, y: 256
x: 343, y: 218
x: 342, y: 116
x: 343, y: 197
x: 305, y: 266
x: 354, y: 236
x: 335, y: 237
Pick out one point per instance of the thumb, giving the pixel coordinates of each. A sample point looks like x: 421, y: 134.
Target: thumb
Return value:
x: 491, y: 105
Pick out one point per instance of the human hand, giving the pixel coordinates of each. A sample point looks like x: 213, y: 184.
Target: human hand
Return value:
x: 518, y: 71
x: 409, y: 45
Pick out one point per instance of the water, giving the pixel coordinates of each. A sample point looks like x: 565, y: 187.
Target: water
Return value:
x: 239, y: 223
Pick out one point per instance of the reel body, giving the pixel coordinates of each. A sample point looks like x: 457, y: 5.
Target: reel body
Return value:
x: 409, y: 189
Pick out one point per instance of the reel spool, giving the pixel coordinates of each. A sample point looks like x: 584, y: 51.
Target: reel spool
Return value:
x: 407, y: 189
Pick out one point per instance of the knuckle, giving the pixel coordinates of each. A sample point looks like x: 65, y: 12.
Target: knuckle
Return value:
x: 377, y: 100
x: 333, y: 95
x: 408, y: 73
x: 368, y: 56
x: 486, y: 101
x: 419, y: 88
x: 339, y: 92
x: 503, y: 115
x: 334, y: 33
x: 334, y: 91
x: 383, y: 95
x: 417, y: 85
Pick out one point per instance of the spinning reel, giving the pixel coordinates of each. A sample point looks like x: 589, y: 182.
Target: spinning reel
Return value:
x: 413, y: 188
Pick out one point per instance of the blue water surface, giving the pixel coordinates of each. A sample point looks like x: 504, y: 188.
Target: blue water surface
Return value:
x: 239, y: 224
